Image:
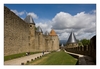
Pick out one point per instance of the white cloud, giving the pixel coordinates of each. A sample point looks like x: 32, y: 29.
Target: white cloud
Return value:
x: 64, y: 36
x: 33, y: 15
x: 83, y: 24
x: 62, y: 20
x: 22, y: 18
x: 18, y: 13
x: 26, y: 13
x: 65, y: 20
x: 45, y: 26
x: 84, y: 35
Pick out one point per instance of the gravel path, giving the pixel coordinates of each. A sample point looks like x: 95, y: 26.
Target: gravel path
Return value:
x: 19, y: 61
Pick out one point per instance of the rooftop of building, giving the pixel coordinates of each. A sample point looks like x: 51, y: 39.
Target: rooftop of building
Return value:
x: 39, y: 29
x: 53, y: 33
x: 72, y: 38
x: 46, y: 33
x: 29, y: 19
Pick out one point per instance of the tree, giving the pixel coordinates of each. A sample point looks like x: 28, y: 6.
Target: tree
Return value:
x: 85, y: 42
x: 80, y: 43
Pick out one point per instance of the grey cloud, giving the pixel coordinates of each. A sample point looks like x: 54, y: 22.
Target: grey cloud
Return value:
x: 82, y: 24
x: 64, y: 21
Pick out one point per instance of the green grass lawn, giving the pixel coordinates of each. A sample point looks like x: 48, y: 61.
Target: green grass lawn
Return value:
x: 9, y: 57
x: 55, y: 58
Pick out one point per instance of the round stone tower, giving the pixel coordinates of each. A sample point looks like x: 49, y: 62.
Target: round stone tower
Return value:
x: 72, y: 41
x: 40, y: 39
x: 31, y: 36
x: 55, y: 40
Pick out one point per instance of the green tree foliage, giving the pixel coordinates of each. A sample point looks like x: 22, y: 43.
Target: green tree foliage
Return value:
x: 85, y: 42
x: 35, y: 28
x: 80, y: 43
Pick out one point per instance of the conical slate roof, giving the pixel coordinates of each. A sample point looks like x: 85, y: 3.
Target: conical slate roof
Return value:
x: 46, y: 33
x: 62, y: 45
x: 72, y: 38
x: 39, y: 29
x: 53, y: 33
x: 29, y: 19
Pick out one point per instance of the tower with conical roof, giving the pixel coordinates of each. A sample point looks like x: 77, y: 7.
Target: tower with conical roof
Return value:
x: 47, y: 41
x: 53, y: 33
x: 39, y: 30
x: 29, y: 19
x: 46, y: 33
x: 72, y: 41
x: 22, y: 35
x: 40, y: 41
x: 55, y: 40
x: 72, y: 38
x: 31, y: 36
x: 62, y: 45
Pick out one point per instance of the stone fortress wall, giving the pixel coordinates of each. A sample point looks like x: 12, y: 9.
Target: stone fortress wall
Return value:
x: 16, y: 33
x: 20, y: 36
x: 89, y: 50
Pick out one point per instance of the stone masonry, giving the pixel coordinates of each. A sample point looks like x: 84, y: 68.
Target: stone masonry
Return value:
x: 20, y: 36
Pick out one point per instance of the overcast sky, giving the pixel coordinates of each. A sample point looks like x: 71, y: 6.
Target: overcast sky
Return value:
x: 63, y: 18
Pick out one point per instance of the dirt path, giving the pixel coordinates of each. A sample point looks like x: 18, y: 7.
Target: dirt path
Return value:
x: 18, y: 61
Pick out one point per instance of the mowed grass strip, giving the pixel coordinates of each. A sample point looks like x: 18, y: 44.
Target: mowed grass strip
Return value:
x: 55, y: 58
x: 9, y: 57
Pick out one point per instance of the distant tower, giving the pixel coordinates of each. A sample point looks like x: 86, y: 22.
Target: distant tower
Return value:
x: 53, y: 33
x: 46, y: 33
x: 31, y: 36
x: 29, y: 19
x: 72, y: 41
x: 47, y: 41
x: 39, y: 30
x: 40, y: 40
x: 55, y: 40
x: 62, y: 45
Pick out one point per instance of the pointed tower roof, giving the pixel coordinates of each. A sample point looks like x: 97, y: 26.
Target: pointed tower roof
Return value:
x: 53, y: 33
x: 46, y: 33
x: 39, y: 29
x: 72, y: 38
x: 29, y: 19
x: 62, y: 45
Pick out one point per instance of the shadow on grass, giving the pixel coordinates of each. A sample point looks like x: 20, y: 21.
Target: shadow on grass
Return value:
x: 55, y: 58
x: 77, y: 57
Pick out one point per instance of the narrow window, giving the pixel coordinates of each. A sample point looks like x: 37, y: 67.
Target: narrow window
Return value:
x: 30, y: 25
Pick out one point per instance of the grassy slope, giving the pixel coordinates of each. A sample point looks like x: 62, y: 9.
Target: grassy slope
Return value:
x: 55, y: 58
x: 9, y: 57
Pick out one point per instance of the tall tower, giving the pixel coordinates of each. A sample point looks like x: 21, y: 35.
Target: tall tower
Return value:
x: 72, y: 41
x: 47, y: 41
x: 31, y: 36
x: 40, y: 39
x: 55, y: 40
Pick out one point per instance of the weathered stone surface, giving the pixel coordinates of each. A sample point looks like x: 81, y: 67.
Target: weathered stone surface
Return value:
x: 20, y: 36
x: 16, y: 33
